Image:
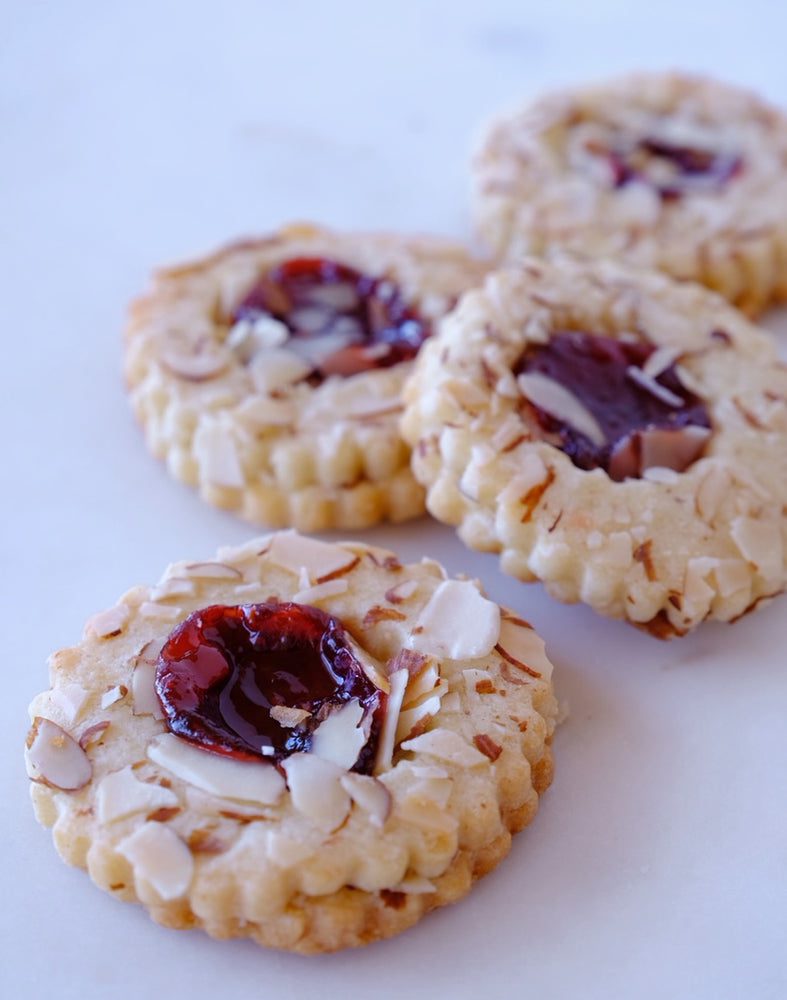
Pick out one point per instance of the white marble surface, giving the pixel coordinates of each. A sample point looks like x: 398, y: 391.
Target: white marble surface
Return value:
x: 133, y: 134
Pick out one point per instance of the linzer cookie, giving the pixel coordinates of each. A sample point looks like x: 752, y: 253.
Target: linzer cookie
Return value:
x: 671, y: 171
x: 307, y: 743
x: 614, y: 433
x: 268, y: 375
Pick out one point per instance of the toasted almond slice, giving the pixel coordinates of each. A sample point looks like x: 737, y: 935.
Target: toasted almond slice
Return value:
x: 321, y: 560
x: 457, y: 622
x: 56, y: 758
x: 198, y: 366
x: 288, y: 717
x: 759, y: 542
x: 316, y: 790
x: 159, y: 857
x: 422, y: 684
x: 446, y: 745
x: 108, y: 623
x: 340, y: 736
x: 241, y: 780
x: 113, y: 694
x: 387, y: 739
x: 413, y: 721
x: 401, y: 591
x: 560, y: 403
x: 320, y: 592
x: 120, y: 794
x: 161, y: 612
x: 370, y: 794
x: 172, y: 586
x: 143, y: 690
x: 525, y: 648
x: 212, y: 570
x: 66, y: 702
x: 648, y: 382
x: 276, y: 369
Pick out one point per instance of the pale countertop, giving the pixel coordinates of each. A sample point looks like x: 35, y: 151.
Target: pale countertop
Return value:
x: 137, y: 134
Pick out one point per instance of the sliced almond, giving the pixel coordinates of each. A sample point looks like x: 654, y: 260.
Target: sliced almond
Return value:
x: 56, y: 758
x: 320, y: 592
x: 65, y: 702
x: 421, y: 684
x: 320, y: 560
x: 316, y: 789
x: 457, y: 622
x: 93, y: 733
x: 120, y: 794
x: 109, y: 623
x: 446, y: 745
x: 113, y: 694
x: 160, y: 612
x: 401, y: 591
x: 413, y: 721
x: 387, y: 739
x: 213, y: 570
x: 241, y: 780
x: 759, y: 542
x: 159, y: 857
x: 197, y: 366
x: 561, y: 404
x: 173, y: 586
x: 524, y: 648
x: 288, y: 717
x: 143, y: 690
x: 648, y: 382
x: 277, y: 369
x: 369, y: 794
x: 340, y: 736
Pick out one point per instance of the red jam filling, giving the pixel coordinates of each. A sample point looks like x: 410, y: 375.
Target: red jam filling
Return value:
x: 598, y: 371
x: 686, y: 168
x: 223, y: 669
x: 344, y: 321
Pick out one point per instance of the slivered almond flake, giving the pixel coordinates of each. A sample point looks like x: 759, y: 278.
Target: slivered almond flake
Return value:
x: 387, y: 738
x: 560, y: 403
x: 120, y: 794
x: 213, y: 571
x: 161, y: 612
x: 241, y: 780
x: 648, y: 382
x: 320, y: 591
x: 321, y: 560
x: 424, y: 683
x: 401, y: 591
x: 409, y: 660
x: 113, y: 694
x: 369, y: 794
x: 93, y: 733
x: 108, y: 623
x: 446, y: 745
x: 55, y: 758
x: 524, y: 648
x: 198, y: 366
x: 659, y: 361
x: 316, y: 789
x: 174, y: 586
x: 143, y: 690
x: 457, y: 621
x: 159, y: 857
x: 288, y: 717
x: 340, y: 737
x: 487, y: 746
x: 414, y: 721
x: 379, y: 613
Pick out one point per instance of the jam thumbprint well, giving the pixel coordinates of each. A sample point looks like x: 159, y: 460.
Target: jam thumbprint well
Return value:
x: 262, y: 680
x: 618, y: 435
x: 268, y: 375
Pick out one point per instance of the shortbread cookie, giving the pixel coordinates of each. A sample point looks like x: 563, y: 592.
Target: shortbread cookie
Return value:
x: 269, y: 374
x: 616, y: 434
x: 671, y: 171
x: 306, y: 743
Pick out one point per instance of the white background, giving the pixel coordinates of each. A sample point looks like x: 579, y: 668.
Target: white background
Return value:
x: 135, y: 134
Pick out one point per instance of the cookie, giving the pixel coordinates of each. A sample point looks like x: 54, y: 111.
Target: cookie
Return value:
x: 307, y: 743
x: 616, y: 434
x: 672, y: 171
x: 268, y: 375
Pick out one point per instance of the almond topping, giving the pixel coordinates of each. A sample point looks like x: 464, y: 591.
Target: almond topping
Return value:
x: 159, y: 857
x: 288, y: 717
x: 92, y: 733
x: 487, y: 746
x: 316, y: 790
x: 213, y: 571
x: 370, y: 794
x: 143, y: 690
x: 196, y: 367
x: 457, y: 622
x: 401, y: 591
x: 56, y: 758
x: 379, y: 613
x: 387, y: 739
x: 321, y: 560
x: 560, y: 403
x: 113, y: 694
x: 340, y: 737
x: 446, y: 745
x: 120, y: 794
x: 109, y: 623
x: 243, y: 780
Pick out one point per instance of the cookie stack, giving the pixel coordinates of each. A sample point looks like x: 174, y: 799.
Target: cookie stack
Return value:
x: 312, y: 744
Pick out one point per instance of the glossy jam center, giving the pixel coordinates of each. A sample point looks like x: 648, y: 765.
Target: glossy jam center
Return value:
x: 344, y: 321
x: 673, y: 169
x: 598, y: 370
x: 225, y: 668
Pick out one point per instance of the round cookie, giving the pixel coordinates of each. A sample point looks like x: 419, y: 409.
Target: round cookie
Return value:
x: 191, y: 754
x: 665, y: 170
x: 616, y: 434
x: 268, y: 374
